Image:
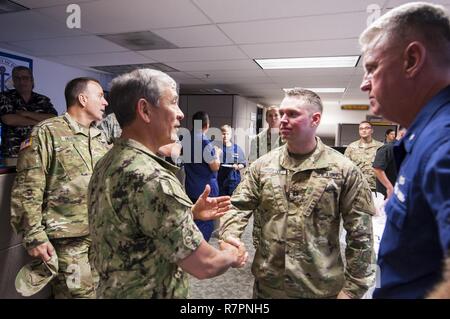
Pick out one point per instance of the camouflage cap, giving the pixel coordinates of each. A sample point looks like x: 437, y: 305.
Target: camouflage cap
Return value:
x: 36, y: 275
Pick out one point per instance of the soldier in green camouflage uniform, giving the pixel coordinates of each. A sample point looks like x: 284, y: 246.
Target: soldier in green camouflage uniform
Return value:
x: 141, y: 220
x: 301, y: 191
x: 49, y: 196
x: 362, y: 152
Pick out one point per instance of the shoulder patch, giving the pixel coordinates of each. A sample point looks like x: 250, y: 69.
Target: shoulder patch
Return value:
x: 28, y: 142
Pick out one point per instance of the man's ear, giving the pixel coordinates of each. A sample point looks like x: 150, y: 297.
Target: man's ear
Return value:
x: 143, y: 110
x: 82, y: 99
x: 414, y: 57
x: 315, y: 119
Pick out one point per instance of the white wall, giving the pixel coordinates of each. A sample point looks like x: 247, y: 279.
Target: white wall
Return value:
x: 50, y: 78
x: 242, y: 110
x: 332, y: 115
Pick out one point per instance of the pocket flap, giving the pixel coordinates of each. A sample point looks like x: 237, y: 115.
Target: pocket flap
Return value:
x: 175, y: 190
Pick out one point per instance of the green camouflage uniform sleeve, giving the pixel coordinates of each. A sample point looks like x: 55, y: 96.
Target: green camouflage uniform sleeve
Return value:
x: 348, y: 152
x: 245, y: 200
x: 357, y: 209
x: 178, y: 236
x: 28, y: 189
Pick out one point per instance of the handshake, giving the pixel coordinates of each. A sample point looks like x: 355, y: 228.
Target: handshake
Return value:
x: 237, y: 250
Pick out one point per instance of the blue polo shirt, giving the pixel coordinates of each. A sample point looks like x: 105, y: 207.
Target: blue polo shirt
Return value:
x: 198, y: 174
x: 417, y: 234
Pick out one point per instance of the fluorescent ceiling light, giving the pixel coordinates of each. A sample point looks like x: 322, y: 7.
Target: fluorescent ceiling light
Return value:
x: 325, y: 90
x: 309, y: 63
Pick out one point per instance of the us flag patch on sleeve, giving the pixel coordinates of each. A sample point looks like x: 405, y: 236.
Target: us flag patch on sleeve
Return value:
x: 26, y: 143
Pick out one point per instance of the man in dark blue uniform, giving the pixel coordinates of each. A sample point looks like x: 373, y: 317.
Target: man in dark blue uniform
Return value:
x: 408, y: 81
x: 203, y: 167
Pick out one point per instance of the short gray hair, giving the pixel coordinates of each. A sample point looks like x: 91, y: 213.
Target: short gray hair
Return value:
x: 127, y: 89
x: 429, y: 22
x: 309, y: 97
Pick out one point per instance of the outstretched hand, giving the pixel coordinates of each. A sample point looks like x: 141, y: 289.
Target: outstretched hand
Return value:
x: 209, y: 208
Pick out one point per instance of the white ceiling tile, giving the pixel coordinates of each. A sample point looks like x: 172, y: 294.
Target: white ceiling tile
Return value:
x: 196, y: 54
x: 229, y: 74
x: 243, y: 80
x: 118, y: 16
x: 69, y: 46
x: 47, y: 3
x: 246, y: 10
x: 190, y: 82
x: 249, y: 86
x: 313, y: 81
x: 14, y: 48
x: 326, y: 27
x: 355, y: 81
x: 27, y: 25
x: 198, y: 36
x: 178, y: 76
x: 215, y: 65
x: 101, y: 59
x: 295, y: 73
x: 302, y: 49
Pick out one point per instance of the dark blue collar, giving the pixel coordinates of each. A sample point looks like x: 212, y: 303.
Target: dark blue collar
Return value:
x: 424, y: 117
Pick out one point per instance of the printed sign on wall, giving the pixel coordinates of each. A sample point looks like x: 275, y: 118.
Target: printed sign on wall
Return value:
x: 7, y: 63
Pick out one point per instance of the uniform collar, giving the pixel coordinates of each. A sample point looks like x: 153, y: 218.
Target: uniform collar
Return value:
x: 424, y: 117
x: 317, y: 160
x: 16, y: 95
x: 372, y: 143
x: 77, y: 128
x: 136, y: 145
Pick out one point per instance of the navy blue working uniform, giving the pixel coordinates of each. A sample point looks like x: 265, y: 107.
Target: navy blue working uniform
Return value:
x: 417, y: 234
x: 199, y: 174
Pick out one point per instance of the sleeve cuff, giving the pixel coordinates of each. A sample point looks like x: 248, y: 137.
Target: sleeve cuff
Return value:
x: 32, y: 241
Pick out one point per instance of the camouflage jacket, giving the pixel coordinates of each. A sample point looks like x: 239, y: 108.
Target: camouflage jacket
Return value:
x: 10, y: 103
x: 110, y: 128
x: 141, y: 225
x: 300, y: 203
x: 362, y: 155
x: 261, y: 144
x: 49, y: 196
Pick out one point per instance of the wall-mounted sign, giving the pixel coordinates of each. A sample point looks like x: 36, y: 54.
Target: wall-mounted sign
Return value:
x: 7, y: 63
x: 355, y: 107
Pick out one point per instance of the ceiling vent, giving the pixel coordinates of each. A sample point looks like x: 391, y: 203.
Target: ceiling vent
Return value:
x: 120, y: 69
x: 7, y: 6
x: 139, y: 41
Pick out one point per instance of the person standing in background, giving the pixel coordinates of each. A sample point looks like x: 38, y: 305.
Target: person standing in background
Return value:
x: 20, y: 110
x: 233, y: 160
x: 362, y: 152
x: 203, y: 167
